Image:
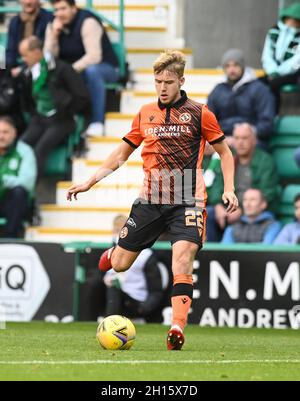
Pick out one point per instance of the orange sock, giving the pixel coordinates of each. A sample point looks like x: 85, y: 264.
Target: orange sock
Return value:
x: 182, y: 295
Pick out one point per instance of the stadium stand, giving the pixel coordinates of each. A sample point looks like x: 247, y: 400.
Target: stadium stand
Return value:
x: 91, y: 217
x: 149, y: 27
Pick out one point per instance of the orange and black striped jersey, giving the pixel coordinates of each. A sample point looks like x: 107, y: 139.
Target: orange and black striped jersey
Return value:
x: 174, y: 138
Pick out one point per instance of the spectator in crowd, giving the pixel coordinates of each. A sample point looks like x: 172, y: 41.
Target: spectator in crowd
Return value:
x: 256, y: 224
x: 78, y: 37
x: 139, y: 291
x: 52, y: 93
x: 242, y: 98
x: 17, y: 178
x: 32, y: 20
x: 254, y: 168
x: 10, y: 100
x: 290, y: 234
x: 281, y: 53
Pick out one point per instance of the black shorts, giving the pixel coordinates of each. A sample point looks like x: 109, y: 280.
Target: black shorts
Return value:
x: 148, y: 221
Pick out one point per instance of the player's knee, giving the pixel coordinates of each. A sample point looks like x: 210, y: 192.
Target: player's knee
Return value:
x: 120, y: 263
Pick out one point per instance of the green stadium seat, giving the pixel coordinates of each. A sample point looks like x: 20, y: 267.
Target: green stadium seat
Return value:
x: 286, y: 132
x: 286, y: 207
x: 291, y: 141
x: 290, y: 88
x: 285, y: 162
x: 287, y: 125
x: 284, y: 142
x: 59, y: 160
x: 289, y: 193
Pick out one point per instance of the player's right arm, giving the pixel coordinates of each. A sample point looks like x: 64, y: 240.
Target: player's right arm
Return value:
x: 112, y: 163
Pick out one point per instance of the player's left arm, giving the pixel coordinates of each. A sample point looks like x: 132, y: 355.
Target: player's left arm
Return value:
x: 227, y: 164
x: 214, y: 135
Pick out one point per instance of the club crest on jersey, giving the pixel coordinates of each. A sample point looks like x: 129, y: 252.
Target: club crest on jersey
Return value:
x: 124, y: 232
x: 185, y: 117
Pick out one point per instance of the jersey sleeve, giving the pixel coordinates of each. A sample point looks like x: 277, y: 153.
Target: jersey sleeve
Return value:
x: 134, y: 137
x: 211, y: 129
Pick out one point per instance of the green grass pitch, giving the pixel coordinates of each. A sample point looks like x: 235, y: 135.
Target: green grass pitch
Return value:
x: 47, y: 351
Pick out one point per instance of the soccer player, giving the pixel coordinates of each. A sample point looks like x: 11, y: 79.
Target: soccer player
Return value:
x: 174, y: 130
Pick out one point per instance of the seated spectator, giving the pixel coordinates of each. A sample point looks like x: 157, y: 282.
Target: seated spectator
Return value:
x: 290, y: 234
x: 32, y: 20
x: 256, y: 224
x: 78, y: 37
x: 242, y: 98
x: 52, y: 93
x: 254, y: 168
x: 10, y: 100
x: 281, y: 53
x: 17, y: 178
x: 139, y: 291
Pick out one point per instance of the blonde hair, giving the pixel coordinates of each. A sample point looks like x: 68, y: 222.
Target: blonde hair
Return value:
x: 170, y: 60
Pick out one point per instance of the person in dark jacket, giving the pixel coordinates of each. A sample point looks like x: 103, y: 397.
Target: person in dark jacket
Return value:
x: 52, y: 93
x: 78, y: 37
x: 10, y: 100
x: 32, y: 20
x: 256, y: 225
x: 242, y: 98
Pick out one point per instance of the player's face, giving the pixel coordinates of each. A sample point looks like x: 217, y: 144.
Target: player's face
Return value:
x: 233, y: 71
x: 253, y: 204
x: 30, y: 6
x: 167, y: 85
x: 297, y: 210
x: 7, y: 135
x: 64, y: 12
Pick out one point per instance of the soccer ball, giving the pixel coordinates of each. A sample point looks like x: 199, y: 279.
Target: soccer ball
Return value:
x: 116, y: 332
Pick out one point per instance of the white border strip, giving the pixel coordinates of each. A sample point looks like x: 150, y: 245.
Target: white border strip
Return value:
x: 137, y: 362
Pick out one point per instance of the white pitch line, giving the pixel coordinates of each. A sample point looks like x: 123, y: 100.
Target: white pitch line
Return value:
x: 136, y: 362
